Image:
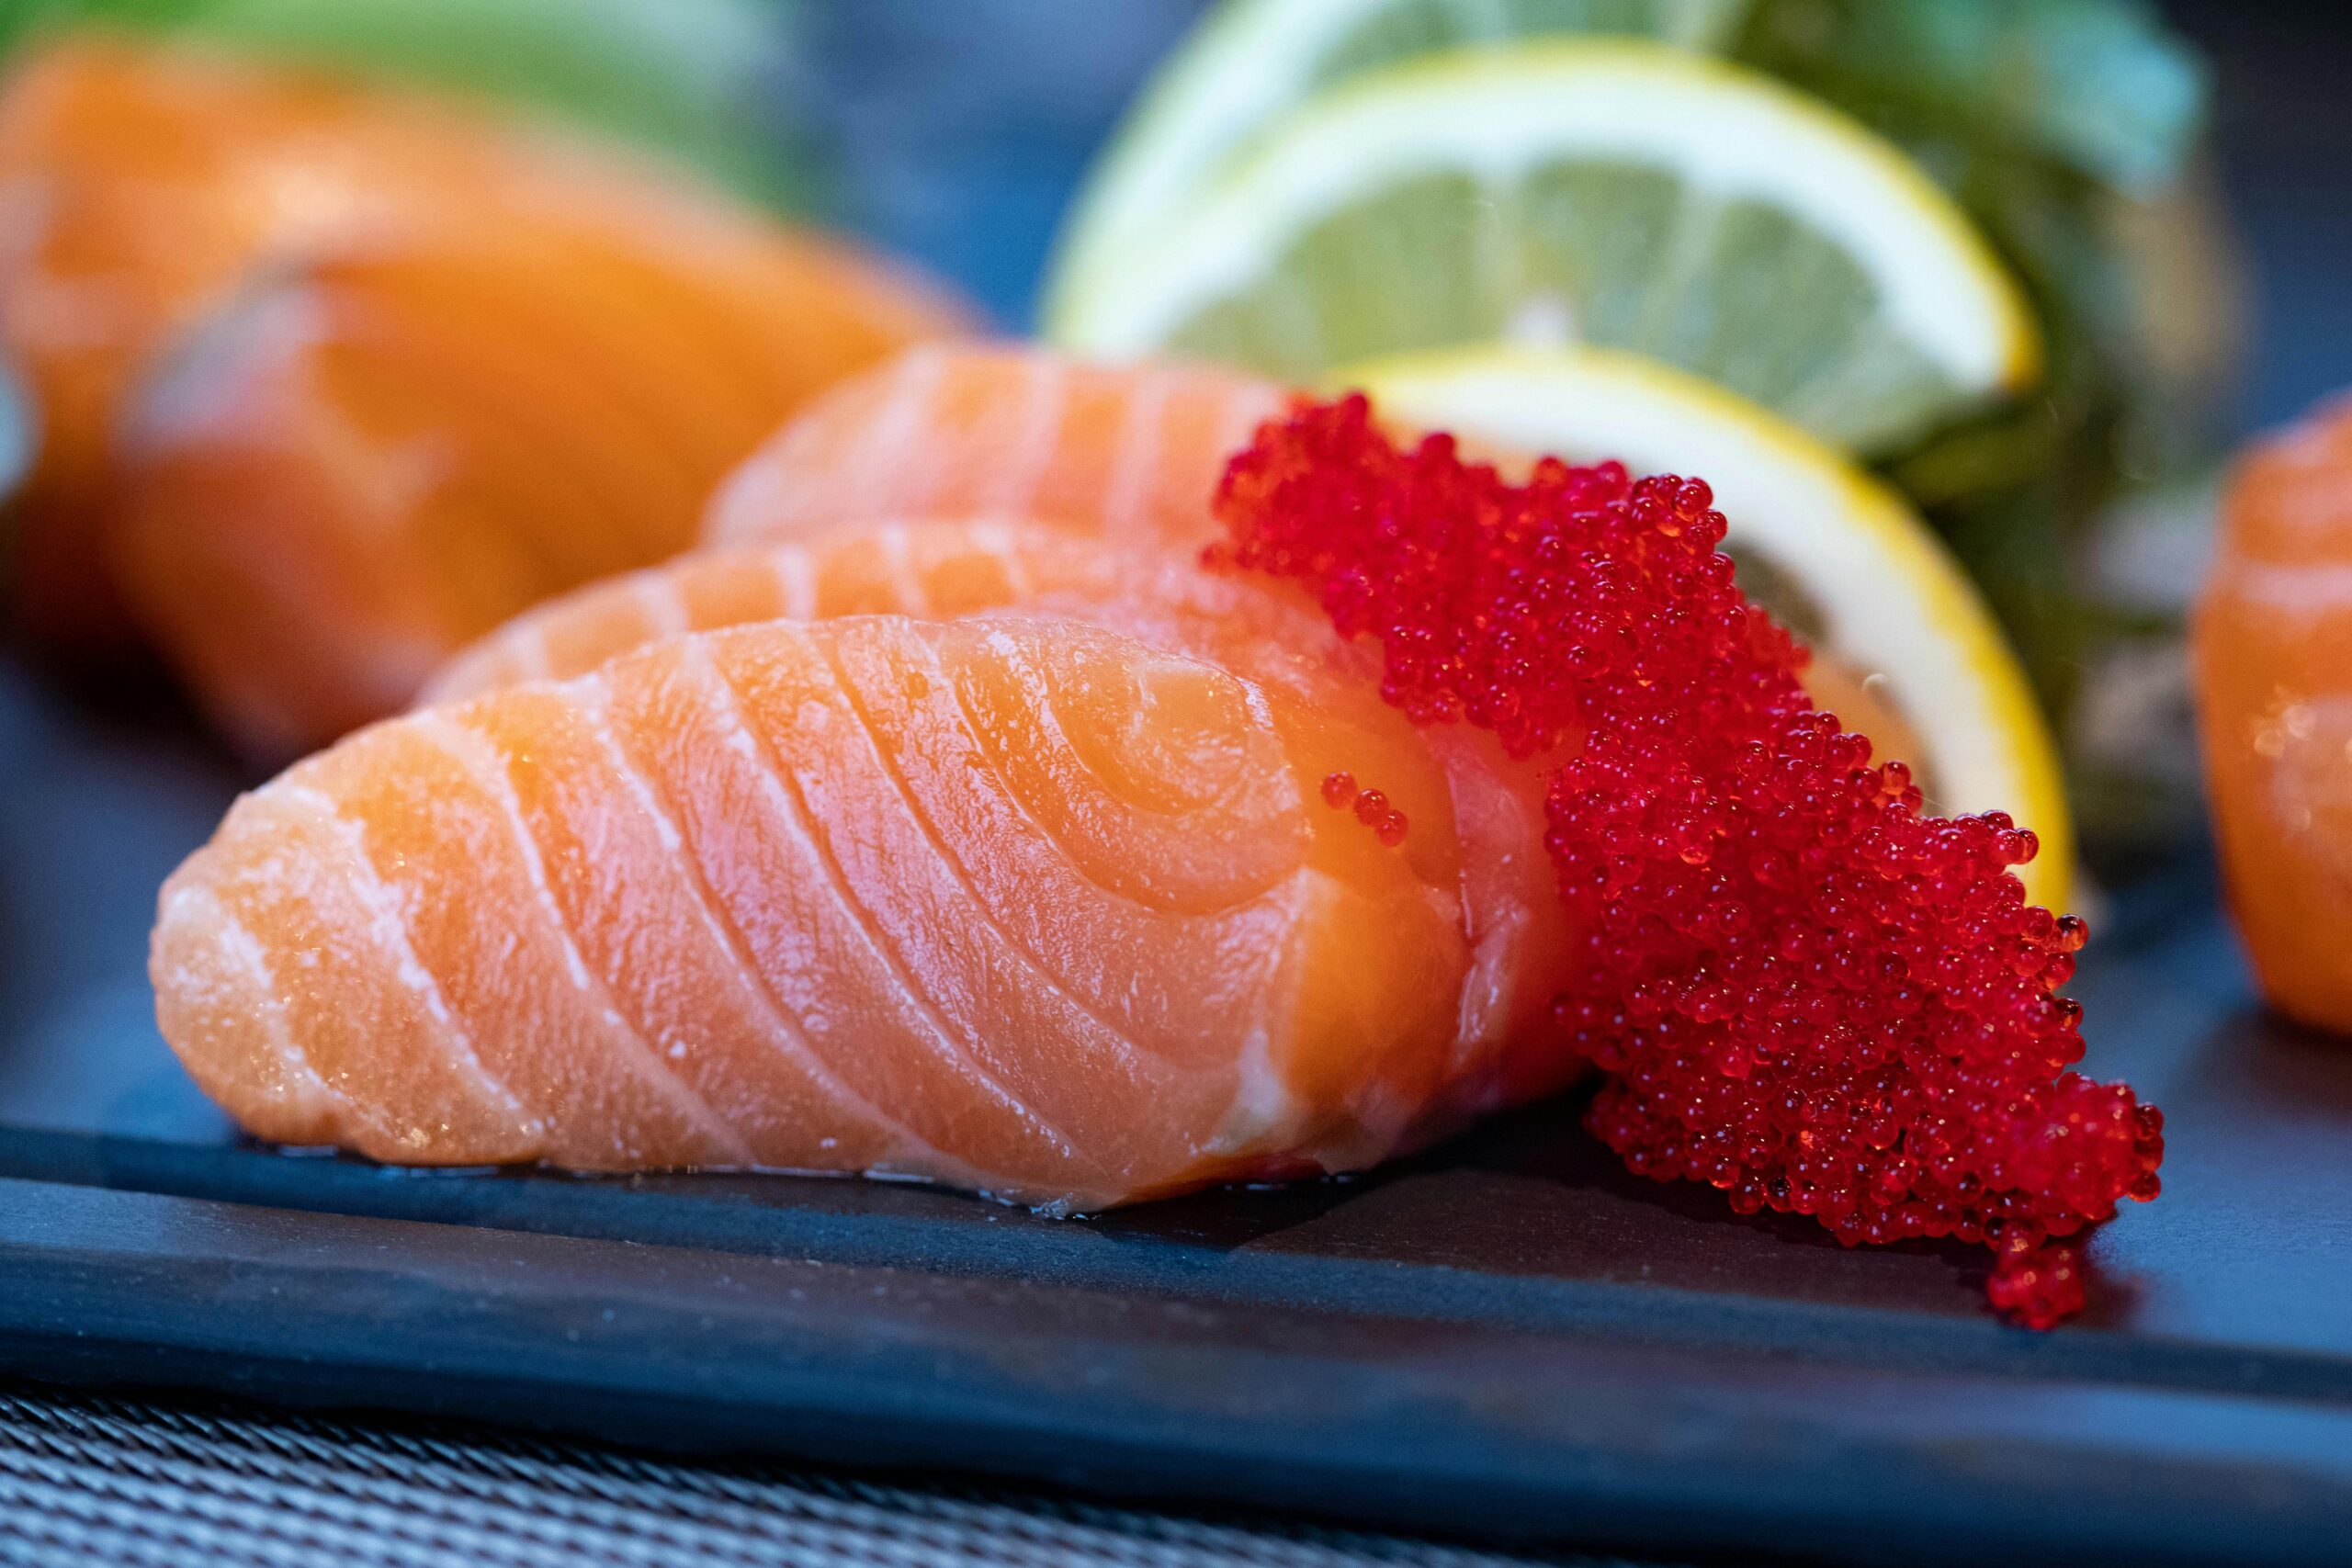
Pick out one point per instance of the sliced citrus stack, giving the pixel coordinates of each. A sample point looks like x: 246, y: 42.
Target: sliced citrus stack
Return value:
x: 1631, y: 196
x: 1836, y: 555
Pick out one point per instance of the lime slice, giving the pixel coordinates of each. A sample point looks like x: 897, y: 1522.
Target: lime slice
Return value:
x: 1624, y: 195
x: 1833, y: 552
x: 1254, y: 61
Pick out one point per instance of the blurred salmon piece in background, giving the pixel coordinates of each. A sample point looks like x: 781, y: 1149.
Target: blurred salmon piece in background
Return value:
x: 144, y: 183
x: 2273, y: 649
x: 140, y: 183
x: 369, y: 461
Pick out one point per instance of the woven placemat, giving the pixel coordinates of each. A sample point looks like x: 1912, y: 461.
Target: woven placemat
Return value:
x: 99, y: 1481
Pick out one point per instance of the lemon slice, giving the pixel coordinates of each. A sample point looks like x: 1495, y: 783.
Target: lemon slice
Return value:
x: 1835, y: 553
x: 1626, y: 195
x: 1254, y: 61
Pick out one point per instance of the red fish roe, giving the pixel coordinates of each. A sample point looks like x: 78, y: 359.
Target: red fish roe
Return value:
x: 1372, y: 808
x: 1801, y: 990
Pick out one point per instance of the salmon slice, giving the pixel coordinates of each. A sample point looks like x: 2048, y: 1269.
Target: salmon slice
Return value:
x: 967, y: 429
x: 2271, y: 645
x: 144, y: 183
x: 369, y: 461
x: 1486, y: 809
x: 1017, y: 902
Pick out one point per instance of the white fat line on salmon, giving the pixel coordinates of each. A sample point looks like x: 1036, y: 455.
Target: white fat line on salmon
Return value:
x: 1129, y: 1050
x: 890, y: 538
x: 311, y: 1094
x: 1263, y: 1108
x: 478, y: 759
x: 998, y: 638
x: 883, y: 453
x: 529, y: 648
x: 388, y: 923
x: 656, y: 592
x: 592, y: 697
x: 784, y: 802
x: 1138, y: 450
x: 2291, y: 590
x: 1045, y: 409
x: 795, y: 582
x: 1002, y: 540
x: 1245, y: 408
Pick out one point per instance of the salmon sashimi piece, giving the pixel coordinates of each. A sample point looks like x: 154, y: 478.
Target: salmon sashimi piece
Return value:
x: 964, y: 429
x: 1017, y: 903
x: 371, y: 460
x: 144, y: 182
x: 2271, y: 643
x: 1486, y: 809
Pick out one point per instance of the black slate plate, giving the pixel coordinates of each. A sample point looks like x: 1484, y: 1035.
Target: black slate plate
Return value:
x: 1507, y: 1335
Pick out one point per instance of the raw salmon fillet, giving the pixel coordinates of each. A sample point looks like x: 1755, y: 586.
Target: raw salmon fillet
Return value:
x: 145, y: 184
x: 369, y: 461
x: 2272, y: 649
x: 1262, y: 631
x: 1023, y: 903
x: 967, y: 429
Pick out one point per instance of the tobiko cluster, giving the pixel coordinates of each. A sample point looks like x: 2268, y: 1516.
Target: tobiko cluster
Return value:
x: 1802, y: 990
